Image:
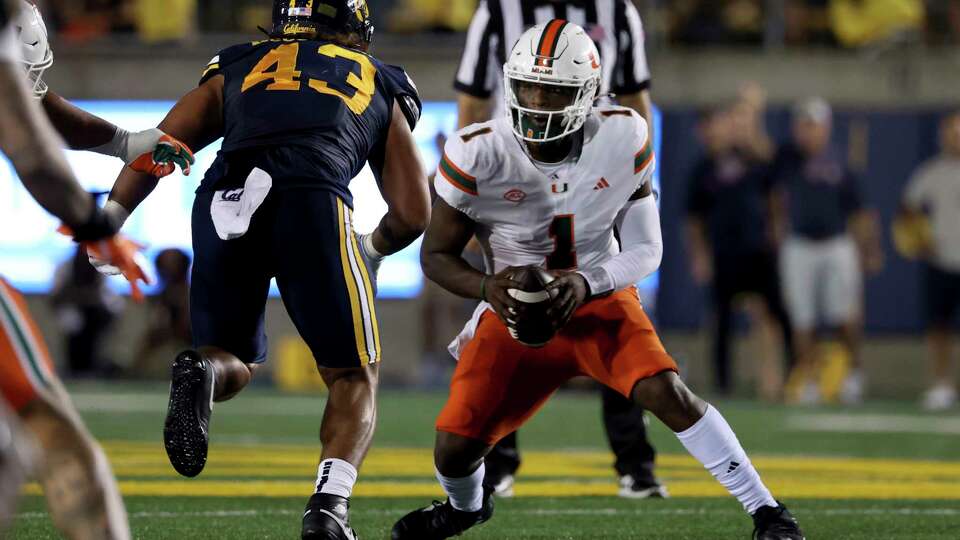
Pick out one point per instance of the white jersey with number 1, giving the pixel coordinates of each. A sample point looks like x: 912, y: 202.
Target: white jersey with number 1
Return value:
x: 560, y: 217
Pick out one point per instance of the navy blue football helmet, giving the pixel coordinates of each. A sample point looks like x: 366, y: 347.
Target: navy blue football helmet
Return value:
x: 305, y: 17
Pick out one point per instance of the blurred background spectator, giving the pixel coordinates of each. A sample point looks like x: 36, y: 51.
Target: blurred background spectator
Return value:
x: 930, y: 220
x: 831, y: 238
x: 731, y: 238
x: 85, y: 309
x: 168, y: 331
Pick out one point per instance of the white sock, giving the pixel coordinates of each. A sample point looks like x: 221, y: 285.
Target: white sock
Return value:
x: 715, y: 445
x: 465, y: 494
x: 336, y: 477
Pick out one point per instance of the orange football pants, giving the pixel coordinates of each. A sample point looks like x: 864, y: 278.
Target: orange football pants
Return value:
x: 25, y: 366
x: 500, y: 383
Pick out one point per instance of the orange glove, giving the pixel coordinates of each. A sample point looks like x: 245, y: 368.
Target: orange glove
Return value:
x: 122, y: 253
x: 163, y: 159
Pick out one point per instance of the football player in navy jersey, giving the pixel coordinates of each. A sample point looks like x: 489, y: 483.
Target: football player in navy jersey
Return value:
x: 300, y: 114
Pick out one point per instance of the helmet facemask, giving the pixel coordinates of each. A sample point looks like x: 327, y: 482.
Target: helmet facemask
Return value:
x: 34, y: 46
x: 35, y: 73
x: 543, y: 109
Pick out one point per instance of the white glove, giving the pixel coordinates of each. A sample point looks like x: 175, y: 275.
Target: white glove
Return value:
x: 149, y: 151
x: 371, y: 257
x: 117, y: 215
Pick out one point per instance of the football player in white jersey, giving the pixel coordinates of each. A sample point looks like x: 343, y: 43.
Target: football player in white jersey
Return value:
x: 550, y: 185
x: 81, y: 491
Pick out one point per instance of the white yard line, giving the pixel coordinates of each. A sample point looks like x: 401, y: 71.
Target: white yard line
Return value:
x: 547, y: 512
x: 157, y: 403
x: 875, y: 423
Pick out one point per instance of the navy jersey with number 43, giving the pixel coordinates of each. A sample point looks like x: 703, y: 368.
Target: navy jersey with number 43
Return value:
x: 310, y: 113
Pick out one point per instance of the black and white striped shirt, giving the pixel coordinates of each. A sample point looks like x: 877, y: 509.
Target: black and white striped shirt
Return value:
x: 614, y: 25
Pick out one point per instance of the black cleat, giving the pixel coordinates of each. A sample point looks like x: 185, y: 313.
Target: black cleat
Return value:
x: 441, y: 520
x: 185, y: 432
x: 771, y: 523
x: 327, y: 517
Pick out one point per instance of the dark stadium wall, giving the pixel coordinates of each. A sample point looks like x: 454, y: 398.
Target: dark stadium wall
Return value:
x: 897, y: 141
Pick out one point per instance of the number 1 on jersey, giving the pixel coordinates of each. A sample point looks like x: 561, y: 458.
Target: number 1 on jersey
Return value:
x: 564, y: 256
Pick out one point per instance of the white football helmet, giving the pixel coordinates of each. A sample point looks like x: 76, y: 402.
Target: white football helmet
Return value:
x: 557, y: 54
x: 34, y: 44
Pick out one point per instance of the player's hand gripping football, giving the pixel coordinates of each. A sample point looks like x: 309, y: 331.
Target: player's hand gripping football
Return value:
x: 569, y: 291
x: 494, y: 291
x: 155, y: 153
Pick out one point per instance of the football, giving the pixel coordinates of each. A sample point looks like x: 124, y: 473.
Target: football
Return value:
x: 533, y: 328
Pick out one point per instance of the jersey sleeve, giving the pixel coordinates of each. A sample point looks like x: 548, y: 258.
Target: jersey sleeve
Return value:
x: 224, y: 58
x: 404, y: 92
x: 645, y: 160
x: 456, y: 179
x: 631, y: 72
x: 478, y: 71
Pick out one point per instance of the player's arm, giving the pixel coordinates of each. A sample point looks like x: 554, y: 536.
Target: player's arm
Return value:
x: 441, y: 257
x: 631, y: 79
x: 472, y: 110
x: 405, y: 189
x: 475, y: 78
x: 641, y: 243
x: 641, y: 250
x: 34, y: 148
x: 85, y: 131
x: 196, y: 120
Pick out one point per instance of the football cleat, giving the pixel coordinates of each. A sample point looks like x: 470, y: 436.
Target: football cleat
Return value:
x: 641, y: 488
x: 327, y: 517
x: 186, y: 430
x: 441, y: 520
x: 771, y: 523
x: 504, y: 487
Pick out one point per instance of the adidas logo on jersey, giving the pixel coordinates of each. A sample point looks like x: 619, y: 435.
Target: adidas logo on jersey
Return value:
x: 602, y: 184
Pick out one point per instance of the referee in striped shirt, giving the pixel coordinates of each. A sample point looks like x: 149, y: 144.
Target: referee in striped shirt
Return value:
x: 616, y: 29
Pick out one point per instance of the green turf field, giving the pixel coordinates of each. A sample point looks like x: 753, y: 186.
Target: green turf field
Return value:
x: 884, y: 471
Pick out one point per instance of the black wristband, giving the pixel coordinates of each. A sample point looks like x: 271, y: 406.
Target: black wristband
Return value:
x: 96, y: 228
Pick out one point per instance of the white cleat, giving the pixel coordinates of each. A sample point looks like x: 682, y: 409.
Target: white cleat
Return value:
x: 810, y: 395
x: 851, y: 393
x: 940, y: 398
x: 504, y: 488
x: 631, y: 489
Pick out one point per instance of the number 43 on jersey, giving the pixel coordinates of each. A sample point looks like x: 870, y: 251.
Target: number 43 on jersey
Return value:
x: 279, y: 66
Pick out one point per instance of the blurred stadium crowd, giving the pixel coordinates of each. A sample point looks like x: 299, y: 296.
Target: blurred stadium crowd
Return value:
x: 771, y: 23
